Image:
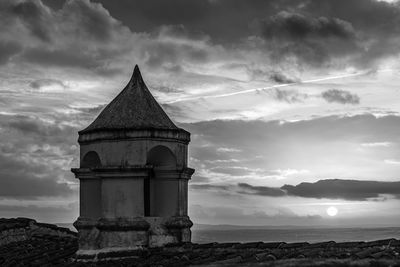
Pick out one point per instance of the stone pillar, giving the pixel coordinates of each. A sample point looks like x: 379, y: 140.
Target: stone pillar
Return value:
x: 168, y: 221
x: 111, y: 209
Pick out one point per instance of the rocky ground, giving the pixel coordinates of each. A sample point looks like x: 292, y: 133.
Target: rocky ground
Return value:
x: 24, y: 242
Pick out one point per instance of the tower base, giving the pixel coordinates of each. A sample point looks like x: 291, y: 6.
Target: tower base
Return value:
x: 128, y: 237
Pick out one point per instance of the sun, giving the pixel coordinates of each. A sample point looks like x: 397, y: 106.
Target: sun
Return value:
x: 332, y: 211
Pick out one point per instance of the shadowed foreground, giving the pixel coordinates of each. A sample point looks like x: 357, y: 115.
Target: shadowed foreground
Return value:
x: 24, y: 242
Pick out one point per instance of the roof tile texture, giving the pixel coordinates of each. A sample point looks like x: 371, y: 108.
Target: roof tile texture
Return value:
x: 133, y: 109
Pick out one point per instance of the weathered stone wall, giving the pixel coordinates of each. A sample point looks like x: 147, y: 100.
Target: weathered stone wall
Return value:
x: 122, y: 234
x: 14, y: 235
x: 122, y: 197
x: 90, y: 198
x: 24, y: 242
x: 21, y: 229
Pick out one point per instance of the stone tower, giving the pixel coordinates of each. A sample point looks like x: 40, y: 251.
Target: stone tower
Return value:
x: 133, y: 176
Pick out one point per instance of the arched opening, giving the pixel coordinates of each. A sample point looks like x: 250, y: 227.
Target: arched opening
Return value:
x: 160, y: 157
x: 91, y: 160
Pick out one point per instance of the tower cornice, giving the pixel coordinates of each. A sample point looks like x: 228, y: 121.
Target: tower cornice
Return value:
x: 172, y: 135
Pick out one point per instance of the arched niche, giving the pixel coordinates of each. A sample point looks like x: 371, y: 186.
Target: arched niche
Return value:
x: 91, y: 160
x: 161, y: 156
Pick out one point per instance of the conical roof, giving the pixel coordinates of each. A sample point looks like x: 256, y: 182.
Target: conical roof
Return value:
x: 133, y: 109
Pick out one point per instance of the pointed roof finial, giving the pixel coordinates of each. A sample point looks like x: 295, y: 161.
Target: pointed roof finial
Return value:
x: 136, y: 70
x: 136, y: 76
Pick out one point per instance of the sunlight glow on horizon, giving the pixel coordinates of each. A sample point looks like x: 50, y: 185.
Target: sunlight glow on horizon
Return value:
x: 332, y: 211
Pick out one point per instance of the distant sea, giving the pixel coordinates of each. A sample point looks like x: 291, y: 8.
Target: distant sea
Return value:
x: 227, y: 233
x: 312, y: 235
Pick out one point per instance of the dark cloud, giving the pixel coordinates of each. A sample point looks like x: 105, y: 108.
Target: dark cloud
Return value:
x: 35, y: 160
x: 208, y: 187
x: 225, y: 21
x: 281, y: 78
x: 65, y: 58
x: 54, y: 4
x: 39, y: 140
x: 289, y: 96
x: 38, y: 84
x: 297, y: 27
x: 79, y: 34
x: 89, y: 20
x: 96, y: 61
x: 340, y: 96
x: 180, y: 31
x: 353, y: 190
x: 232, y: 18
x: 22, y: 179
x: 157, y: 12
x: 33, y: 126
x: 375, y: 25
x: 344, y: 189
x: 313, y: 32
x: 174, y: 45
x: 93, y: 35
x: 35, y: 17
x: 314, y: 40
x: 25, y: 125
x: 160, y: 53
x: 83, y: 34
x: 94, y: 21
x: 316, y: 32
x: 260, y: 190
x: 7, y: 50
x: 370, y: 16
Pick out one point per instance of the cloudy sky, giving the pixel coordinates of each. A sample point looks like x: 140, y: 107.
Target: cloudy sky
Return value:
x: 293, y: 105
